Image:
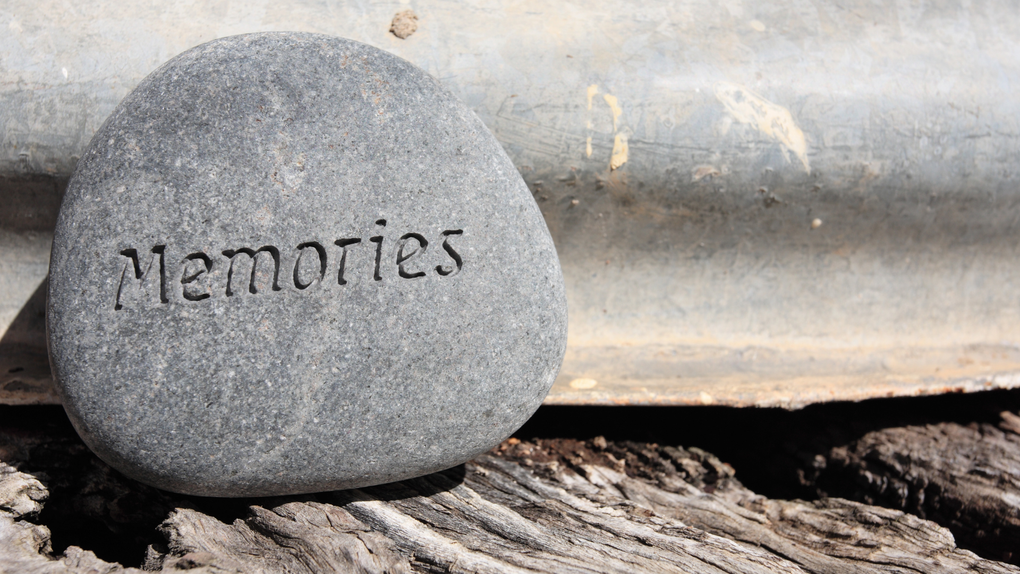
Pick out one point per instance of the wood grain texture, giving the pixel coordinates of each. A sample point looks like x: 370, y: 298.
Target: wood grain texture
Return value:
x: 964, y: 477
x: 562, y: 505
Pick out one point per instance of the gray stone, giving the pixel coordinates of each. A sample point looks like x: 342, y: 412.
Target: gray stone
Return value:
x: 292, y: 263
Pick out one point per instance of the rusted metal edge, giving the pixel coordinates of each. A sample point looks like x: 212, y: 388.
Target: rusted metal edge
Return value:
x: 787, y: 393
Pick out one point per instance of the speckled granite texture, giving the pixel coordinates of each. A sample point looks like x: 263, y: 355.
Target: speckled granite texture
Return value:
x: 292, y: 263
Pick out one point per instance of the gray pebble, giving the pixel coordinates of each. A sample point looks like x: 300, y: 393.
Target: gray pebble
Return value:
x: 292, y: 263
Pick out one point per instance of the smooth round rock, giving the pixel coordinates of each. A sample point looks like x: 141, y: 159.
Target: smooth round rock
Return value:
x: 292, y: 263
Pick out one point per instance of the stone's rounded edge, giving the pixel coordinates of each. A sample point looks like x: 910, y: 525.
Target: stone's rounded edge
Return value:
x: 62, y: 291
x: 54, y: 311
x: 291, y: 489
x: 560, y: 296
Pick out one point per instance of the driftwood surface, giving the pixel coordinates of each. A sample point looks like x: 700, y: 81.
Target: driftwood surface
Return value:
x: 544, y: 505
x: 966, y: 477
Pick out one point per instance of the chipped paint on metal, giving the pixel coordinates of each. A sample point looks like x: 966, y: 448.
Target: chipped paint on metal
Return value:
x: 703, y: 171
x: 614, y: 105
x: 620, y: 149
x: 583, y: 383
x: 769, y: 119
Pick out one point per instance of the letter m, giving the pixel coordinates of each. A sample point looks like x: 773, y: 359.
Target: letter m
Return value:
x: 139, y: 285
x: 253, y: 257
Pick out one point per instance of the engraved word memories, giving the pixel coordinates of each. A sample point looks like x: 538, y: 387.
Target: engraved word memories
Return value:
x: 292, y: 263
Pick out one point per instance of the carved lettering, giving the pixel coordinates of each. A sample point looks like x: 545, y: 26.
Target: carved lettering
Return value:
x: 378, y: 239
x: 140, y: 279
x: 135, y: 284
x: 195, y: 266
x: 344, y: 244
x: 253, y: 255
x: 402, y: 257
x: 448, y: 271
x: 317, y: 272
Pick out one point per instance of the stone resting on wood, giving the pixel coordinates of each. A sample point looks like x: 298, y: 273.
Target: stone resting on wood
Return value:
x: 558, y: 505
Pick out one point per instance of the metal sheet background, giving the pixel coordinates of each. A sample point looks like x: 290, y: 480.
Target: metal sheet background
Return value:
x: 679, y: 152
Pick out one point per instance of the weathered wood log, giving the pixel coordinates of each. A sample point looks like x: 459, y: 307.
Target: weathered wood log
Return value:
x: 804, y: 454
x: 831, y: 535
x: 964, y: 477
x: 542, y: 506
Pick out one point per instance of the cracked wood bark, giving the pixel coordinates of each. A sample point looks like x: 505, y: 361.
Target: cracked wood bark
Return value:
x: 547, y: 506
x: 964, y: 477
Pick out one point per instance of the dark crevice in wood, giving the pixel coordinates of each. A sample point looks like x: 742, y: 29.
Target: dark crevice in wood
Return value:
x: 90, y: 505
x: 771, y: 447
